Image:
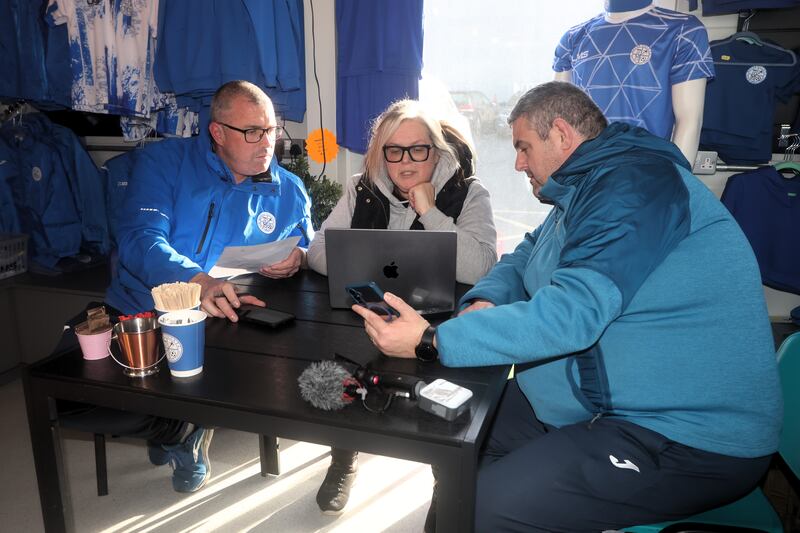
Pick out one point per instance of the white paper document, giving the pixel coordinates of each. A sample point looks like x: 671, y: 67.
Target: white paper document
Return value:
x: 237, y: 260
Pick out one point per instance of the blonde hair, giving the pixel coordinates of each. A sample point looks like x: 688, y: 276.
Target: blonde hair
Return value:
x: 386, y: 125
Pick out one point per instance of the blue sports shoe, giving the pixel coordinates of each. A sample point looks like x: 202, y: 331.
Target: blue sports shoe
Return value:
x: 190, y: 462
x: 157, y: 454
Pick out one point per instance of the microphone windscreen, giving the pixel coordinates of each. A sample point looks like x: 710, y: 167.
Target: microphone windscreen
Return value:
x: 323, y: 385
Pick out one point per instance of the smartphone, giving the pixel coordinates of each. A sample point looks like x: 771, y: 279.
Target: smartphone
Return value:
x: 264, y: 316
x: 370, y: 296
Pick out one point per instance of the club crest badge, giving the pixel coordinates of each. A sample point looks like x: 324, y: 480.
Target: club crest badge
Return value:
x: 266, y: 222
x: 756, y: 74
x: 641, y: 54
x: 173, y: 347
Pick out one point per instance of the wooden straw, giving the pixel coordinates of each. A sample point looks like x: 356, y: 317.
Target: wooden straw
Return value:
x: 176, y: 296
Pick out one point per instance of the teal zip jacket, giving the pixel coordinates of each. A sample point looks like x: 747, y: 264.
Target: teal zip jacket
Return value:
x: 638, y: 297
x: 182, y: 207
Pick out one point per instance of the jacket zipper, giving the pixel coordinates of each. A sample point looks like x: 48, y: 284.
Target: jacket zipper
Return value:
x: 205, y: 231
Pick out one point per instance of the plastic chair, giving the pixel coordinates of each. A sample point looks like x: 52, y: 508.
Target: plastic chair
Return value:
x: 754, y: 510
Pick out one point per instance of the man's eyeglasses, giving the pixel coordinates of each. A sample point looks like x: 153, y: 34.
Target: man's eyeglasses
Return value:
x: 418, y: 152
x: 254, y: 135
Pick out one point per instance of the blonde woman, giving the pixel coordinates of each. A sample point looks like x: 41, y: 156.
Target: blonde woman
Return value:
x: 418, y: 175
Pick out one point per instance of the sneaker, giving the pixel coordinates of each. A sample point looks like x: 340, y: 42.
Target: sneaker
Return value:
x: 157, y: 454
x: 189, y: 459
x: 335, y: 489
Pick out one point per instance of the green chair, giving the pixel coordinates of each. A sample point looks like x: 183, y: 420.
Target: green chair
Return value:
x: 754, y: 512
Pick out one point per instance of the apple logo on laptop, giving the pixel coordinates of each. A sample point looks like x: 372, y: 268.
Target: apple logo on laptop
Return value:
x: 390, y: 270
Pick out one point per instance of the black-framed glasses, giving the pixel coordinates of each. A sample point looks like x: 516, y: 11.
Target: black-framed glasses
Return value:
x: 254, y: 135
x: 417, y: 152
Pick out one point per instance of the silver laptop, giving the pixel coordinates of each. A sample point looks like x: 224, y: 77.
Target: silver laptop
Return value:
x: 419, y: 266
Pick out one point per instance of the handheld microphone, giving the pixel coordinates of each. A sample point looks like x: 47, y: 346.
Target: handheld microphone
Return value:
x: 385, y: 380
x: 328, y: 386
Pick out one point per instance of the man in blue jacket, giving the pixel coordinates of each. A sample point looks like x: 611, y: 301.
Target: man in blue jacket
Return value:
x: 646, y: 386
x: 190, y: 198
x: 187, y: 200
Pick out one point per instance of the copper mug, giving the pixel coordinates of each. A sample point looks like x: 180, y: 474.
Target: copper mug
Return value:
x: 138, y: 340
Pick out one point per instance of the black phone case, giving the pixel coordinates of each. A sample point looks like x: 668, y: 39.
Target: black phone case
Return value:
x: 370, y: 296
x: 266, y: 317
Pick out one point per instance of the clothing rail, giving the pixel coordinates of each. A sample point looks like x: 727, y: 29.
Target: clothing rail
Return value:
x: 739, y: 168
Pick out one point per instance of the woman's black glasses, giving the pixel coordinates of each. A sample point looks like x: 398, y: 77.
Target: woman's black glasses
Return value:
x: 418, y: 152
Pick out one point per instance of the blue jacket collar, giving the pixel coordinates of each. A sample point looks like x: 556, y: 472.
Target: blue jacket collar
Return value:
x: 220, y: 169
x: 615, y: 140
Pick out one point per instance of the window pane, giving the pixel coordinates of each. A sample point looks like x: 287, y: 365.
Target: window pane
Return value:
x: 479, y: 58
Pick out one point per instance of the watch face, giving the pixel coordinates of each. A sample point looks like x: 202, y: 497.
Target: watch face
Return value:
x: 426, y: 352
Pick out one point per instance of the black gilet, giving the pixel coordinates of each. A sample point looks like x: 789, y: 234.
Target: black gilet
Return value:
x: 372, y: 207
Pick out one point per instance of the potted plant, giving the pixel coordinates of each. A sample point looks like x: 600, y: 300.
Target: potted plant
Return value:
x: 324, y: 193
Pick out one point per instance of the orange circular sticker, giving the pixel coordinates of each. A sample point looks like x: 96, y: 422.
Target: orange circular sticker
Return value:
x: 314, y: 146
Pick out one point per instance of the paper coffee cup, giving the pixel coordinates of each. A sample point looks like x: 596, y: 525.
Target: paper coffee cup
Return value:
x: 160, y: 312
x: 183, y: 334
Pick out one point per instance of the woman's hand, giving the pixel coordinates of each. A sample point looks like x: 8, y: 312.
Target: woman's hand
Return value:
x: 421, y: 197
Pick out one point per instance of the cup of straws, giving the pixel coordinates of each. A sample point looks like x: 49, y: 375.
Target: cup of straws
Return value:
x: 177, y: 296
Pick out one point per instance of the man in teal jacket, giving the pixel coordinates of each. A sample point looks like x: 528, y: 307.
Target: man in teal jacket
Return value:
x: 646, y: 385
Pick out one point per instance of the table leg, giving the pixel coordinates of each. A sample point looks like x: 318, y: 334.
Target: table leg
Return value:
x: 456, y: 498
x: 48, y: 458
x: 269, y: 450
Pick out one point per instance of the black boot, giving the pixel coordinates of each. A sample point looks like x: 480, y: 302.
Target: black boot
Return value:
x: 430, y: 518
x: 335, y: 489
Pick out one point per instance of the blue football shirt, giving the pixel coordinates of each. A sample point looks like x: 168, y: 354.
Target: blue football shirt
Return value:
x: 629, y: 68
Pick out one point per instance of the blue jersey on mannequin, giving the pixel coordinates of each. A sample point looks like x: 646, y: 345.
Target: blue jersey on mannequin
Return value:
x: 628, y: 68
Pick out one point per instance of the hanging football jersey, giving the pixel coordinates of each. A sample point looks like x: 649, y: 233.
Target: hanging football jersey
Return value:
x: 112, y: 48
x: 767, y: 207
x: 629, y: 68
x: 740, y: 102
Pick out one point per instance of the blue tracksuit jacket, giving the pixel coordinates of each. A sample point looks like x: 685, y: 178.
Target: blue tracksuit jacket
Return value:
x: 182, y: 208
x: 638, y: 297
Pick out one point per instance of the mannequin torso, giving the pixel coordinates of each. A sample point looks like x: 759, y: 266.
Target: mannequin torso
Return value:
x: 642, y: 68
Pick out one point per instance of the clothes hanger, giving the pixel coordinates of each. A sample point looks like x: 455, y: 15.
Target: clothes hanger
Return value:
x: 753, y: 39
x: 788, y: 165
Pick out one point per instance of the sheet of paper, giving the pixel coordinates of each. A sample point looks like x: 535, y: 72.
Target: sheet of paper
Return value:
x: 237, y: 260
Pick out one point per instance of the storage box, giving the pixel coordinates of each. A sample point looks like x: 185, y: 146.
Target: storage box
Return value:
x: 444, y: 399
x: 13, y: 254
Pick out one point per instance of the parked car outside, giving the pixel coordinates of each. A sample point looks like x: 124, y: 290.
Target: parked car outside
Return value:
x: 433, y: 94
x: 503, y: 129
x: 479, y: 110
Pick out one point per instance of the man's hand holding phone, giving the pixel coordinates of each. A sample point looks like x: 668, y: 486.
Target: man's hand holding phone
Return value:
x: 395, y: 337
x: 369, y: 295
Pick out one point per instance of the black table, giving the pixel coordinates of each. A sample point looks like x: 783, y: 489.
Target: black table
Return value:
x: 249, y: 383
